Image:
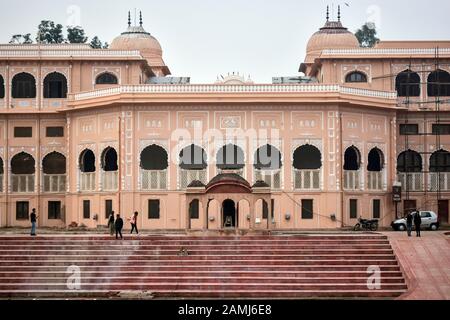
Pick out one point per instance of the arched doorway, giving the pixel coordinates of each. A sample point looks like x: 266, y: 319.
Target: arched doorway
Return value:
x: 229, y: 214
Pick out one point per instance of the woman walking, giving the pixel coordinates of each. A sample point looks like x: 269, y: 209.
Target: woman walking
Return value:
x: 111, y: 224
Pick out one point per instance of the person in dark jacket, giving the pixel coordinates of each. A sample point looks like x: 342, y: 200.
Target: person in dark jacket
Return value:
x: 417, y: 222
x: 111, y: 224
x: 33, y: 219
x: 119, y: 225
x: 409, y: 223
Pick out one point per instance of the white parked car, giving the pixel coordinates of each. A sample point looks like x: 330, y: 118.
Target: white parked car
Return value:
x: 429, y: 221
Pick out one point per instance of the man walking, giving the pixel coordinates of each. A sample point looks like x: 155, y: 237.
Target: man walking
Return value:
x: 133, y: 221
x: 119, y: 225
x: 33, y: 219
x: 417, y: 223
x: 409, y: 223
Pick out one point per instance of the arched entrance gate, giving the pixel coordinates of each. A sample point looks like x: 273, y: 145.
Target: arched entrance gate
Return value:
x: 230, y: 191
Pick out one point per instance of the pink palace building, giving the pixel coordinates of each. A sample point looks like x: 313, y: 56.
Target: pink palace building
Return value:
x: 84, y: 132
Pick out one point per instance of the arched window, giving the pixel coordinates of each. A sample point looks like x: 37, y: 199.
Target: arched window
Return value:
x: 109, y: 160
x: 23, y: 86
x: 2, y: 87
x: 352, y: 159
x: 23, y: 163
x: 356, y: 76
x: 154, y: 158
x: 54, y: 163
x: 407, y: 84
x: 267, y: 157
x: 55, y: 86
x: 230, y: 157
x: 87, y: 161
x: 193, y: 157
x: 439, y: 84
x: 307, y: 157
x: 376, y: 160
x: 409, y: 161
x: 440, y: 161
x: 106, y: 78
x: 1, y: 168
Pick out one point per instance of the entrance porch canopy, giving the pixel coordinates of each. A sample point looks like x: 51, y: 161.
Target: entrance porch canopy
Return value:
x: 228, y: 186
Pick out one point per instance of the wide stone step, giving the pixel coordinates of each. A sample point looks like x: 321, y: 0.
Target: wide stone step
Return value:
x: 197, y: 279
x: 174, y: 252
x: 198, y: 238
x: 256, y: 294
x: 63, y: 267
x: 223, y: 247
x: 272, y: 242
x: 200, y: 286
x: 197, y: 273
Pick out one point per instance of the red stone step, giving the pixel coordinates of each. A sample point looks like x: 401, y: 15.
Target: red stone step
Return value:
x: 214, y: 274
x: 239, y: 294
x: 194, y: 251
x: 200, y: 286
x: 190, y: 267
x: 198, y: 279
x: 205, y: 238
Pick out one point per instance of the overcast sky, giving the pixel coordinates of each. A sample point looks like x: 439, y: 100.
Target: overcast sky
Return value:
x: 206, y: 38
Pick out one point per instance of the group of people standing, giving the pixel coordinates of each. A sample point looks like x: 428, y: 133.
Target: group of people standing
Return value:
x: 116, y: 225
x: 413, y: 217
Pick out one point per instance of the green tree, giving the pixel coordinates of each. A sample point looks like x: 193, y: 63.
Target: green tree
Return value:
x: 96, y: 43
x: 49, y: 32
x: 76, y: 35
x: 21, y: 39
x: 367, y: 35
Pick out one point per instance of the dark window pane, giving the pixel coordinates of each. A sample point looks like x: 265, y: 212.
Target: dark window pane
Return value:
x: 409, y: 129
x: 86, y: 209
x: 194, y: 209
x: 108, y: 208
x: 22, y: 208
x: 353, y: 208
x: 153, y: 209
x: 376, y: 208
x: 441, y: 128
x: 53, y: 132
x: 265, y: 208
x: 54, y: 210
x: 23, y: 132
x: 307, y: 209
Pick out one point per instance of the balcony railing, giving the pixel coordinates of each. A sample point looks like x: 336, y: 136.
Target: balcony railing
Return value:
x: 411, y: 181
x: 444, y: 181
x: 307, y: 179
x: 375, y: 180
x: 23, y: 102
x: 110, y: 180
x: 154, y: 179
x: 54, y: 182
x: 87, y: 181
x: 187, y: 176
x: 271, y: 177
x: 22, y: 183
x: 351, y: 180
x: 225, y: 89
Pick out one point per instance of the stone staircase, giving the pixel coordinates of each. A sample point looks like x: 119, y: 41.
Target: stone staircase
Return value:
x: 274, y: 267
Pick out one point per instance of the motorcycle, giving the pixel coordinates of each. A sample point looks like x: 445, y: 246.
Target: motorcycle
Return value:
x: 365, y: 224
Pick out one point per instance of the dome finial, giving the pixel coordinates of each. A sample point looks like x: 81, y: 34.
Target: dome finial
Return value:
x: 339, y: 13
x: 328, y: 13
x: 140, y: 18
x: 129, y: 18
